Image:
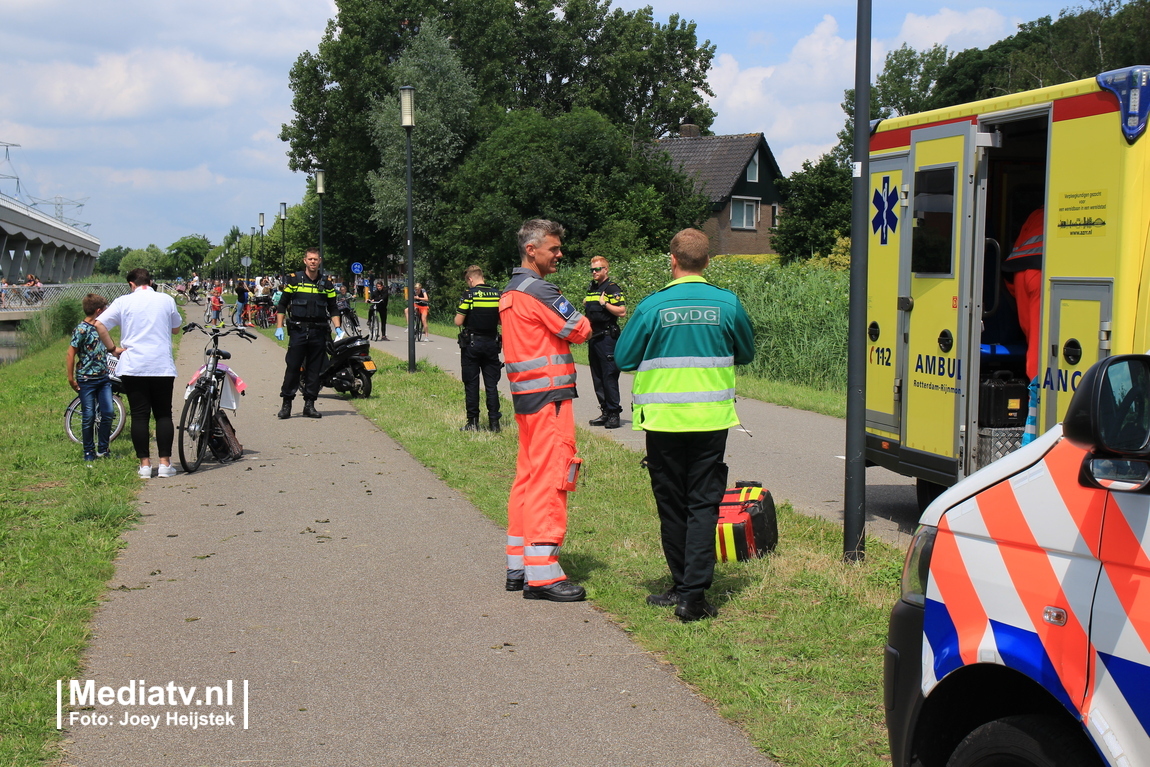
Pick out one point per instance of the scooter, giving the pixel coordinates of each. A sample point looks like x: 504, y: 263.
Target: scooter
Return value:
x: 349, y: 365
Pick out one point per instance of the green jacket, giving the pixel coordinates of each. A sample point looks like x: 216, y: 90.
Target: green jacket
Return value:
x: 684, y: 343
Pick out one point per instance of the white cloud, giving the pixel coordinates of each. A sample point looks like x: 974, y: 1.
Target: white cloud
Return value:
x: 976, y: 28
x: 195, y: 179
x: 794, y: 103
x: 142, y: 83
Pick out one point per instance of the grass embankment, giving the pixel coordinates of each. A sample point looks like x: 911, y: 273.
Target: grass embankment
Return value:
x: 796, y: 654
x: 60, y: 527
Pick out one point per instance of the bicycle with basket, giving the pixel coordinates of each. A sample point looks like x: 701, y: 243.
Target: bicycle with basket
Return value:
x: 204, y: 426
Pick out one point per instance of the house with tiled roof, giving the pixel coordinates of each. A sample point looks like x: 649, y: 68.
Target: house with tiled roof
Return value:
x: 737, y: 174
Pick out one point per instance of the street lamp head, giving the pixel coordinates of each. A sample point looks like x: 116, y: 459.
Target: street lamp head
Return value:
x: 407, y: 106
x: 261, y: 221
x: 319, y: 181
x: 283, y: 211
x: 253, y: 231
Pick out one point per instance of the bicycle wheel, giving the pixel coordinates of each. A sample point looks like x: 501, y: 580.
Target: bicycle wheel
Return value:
x: 195, y: 426
x: 181, y: 299
x: 74, y: 419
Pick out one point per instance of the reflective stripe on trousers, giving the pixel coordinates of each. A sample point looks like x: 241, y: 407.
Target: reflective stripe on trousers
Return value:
x: 541, y: 565
x: 537, y: 506
x: 514, y: 552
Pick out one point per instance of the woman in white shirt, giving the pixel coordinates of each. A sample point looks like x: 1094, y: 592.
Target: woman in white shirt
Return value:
x: 147, y: 322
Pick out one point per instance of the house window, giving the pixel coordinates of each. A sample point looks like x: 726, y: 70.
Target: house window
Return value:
x: 774, y: 215
x: 744, y: 213
x: 753, y: 167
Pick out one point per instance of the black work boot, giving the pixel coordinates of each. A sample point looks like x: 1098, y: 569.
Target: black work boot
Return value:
x: 560, y: 591
x: 493, y: 424
x: 612, y: 422
x: 285, y: 411
x: 689, y: 610
x: 309, y: 410
x: 471, y: 425
x: 600, y: 421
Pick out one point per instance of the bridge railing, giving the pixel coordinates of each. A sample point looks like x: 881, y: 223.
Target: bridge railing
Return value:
x: 23, y: 298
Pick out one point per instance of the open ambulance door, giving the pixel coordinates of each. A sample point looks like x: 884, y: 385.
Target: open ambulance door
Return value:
x: 939, y: 292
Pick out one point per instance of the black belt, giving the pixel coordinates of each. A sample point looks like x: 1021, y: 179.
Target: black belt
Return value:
x: 484, y: 335
x: 309, y: 323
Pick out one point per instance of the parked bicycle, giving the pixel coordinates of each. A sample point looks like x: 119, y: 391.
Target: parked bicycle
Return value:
x: 74, y: 413
x: 199, y: 422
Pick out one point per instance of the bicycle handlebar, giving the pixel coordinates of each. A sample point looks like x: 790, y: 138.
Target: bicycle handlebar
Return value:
x: 218, y: 332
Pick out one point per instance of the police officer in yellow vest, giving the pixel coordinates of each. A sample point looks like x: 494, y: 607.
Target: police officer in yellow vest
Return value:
x: 479, y: 346
x: 307, y: 302
x: 684, y: 342
x: 603, y: 306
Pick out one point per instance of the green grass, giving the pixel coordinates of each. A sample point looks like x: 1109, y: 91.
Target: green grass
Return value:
x: 60, y: 527
x: 795, y: 656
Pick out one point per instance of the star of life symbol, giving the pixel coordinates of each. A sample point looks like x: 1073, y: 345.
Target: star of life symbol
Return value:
x: 885, y: 219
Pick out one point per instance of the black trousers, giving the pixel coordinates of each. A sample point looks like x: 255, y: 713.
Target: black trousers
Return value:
x: 688, y: 478
x: 604, y: 373
x: 307, y: 346
x: 481, y: 356
x: 151, y: 397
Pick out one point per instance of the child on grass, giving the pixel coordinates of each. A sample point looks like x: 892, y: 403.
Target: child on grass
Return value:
x: 87, y: 367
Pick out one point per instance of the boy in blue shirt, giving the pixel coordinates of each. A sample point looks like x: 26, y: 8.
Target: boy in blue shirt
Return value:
x: 88, y: 375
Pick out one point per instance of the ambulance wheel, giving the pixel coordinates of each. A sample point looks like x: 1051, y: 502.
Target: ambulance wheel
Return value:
x: 1025, y: 741
x: 927, y: 491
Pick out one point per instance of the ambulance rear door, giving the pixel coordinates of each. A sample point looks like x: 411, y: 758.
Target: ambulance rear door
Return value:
x: 936, y: 299
x: 886, y: 360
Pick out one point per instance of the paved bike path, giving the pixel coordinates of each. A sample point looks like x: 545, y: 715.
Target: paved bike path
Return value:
x: 797, y: 454
x: 361, y: 599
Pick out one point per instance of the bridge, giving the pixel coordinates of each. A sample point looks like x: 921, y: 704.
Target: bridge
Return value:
x: 34, y: 243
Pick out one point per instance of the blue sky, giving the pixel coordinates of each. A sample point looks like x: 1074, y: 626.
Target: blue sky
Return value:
x: 164, y: 117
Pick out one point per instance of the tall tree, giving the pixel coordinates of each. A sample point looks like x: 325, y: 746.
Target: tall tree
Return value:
x: 109, y: 260
x: 816, y: 202
x: 187, y: 254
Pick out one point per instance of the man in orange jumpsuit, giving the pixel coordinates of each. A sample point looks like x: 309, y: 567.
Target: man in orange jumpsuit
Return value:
x: 539, y: 325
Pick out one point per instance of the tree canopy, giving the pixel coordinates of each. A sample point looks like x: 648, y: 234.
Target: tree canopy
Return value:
x: 491, y: 59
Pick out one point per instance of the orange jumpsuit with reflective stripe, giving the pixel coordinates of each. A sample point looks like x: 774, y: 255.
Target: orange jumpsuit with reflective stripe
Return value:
x: 1025, y: 263
x: 539, y: 326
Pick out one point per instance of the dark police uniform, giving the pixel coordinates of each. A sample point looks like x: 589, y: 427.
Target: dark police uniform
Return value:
x: 307, y: 306
x: 601, y: 346
x: 479, y: 345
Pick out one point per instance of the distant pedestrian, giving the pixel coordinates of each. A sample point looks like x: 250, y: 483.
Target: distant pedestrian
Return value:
x: 148, y: 320
x: 684, y: 342
x: 479, y: 347
x: 87, y: 366
x: 604, y: 305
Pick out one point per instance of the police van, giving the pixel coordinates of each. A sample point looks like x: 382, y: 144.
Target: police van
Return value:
x: 947, y: 383
x: 1022, y: 635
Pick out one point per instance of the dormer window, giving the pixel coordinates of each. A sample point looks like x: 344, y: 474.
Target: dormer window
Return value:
x: 753, y: 168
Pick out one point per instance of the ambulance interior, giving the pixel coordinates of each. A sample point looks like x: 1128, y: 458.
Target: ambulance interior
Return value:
x: 1016, y: 186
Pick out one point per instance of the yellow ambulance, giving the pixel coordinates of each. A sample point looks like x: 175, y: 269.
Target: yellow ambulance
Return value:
x: 950, y: 192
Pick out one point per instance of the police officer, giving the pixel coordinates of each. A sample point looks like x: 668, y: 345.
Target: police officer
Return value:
x: 307, y: 302
x: 479, y: 345
x: 603, y: 306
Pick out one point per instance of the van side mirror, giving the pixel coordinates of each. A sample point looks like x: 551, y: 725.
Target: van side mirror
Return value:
x: 1109, y: 416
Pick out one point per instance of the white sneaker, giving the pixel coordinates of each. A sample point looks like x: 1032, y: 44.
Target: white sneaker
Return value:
x: 166, y: 471
x: 145, y: 472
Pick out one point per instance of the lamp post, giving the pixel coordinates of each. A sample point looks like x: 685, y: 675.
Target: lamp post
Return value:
x: 261, y: 261
x: 319, y: 192
x: 283, y: 237
x: 407, y: 120
x: 252, y: 249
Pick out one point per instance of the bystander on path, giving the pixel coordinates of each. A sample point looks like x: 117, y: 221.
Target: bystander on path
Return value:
x: 797, y: 454
x: 354, y: 594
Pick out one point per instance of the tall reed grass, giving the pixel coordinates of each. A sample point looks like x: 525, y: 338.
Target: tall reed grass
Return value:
x: 799, y: 312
